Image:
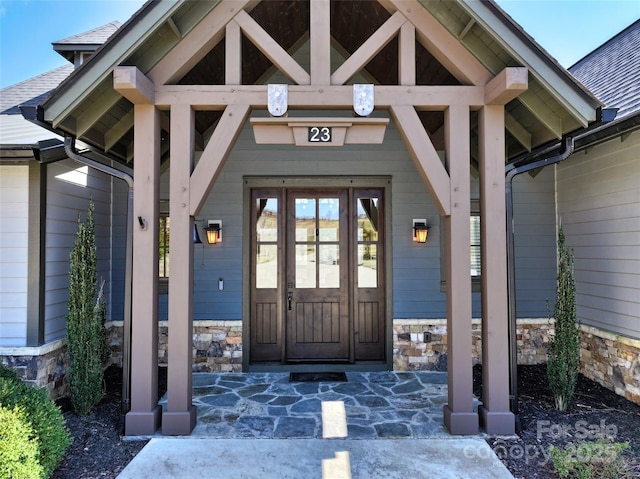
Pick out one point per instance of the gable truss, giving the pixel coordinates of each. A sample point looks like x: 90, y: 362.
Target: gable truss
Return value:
x: 448, y: 182
x: 193, y: 47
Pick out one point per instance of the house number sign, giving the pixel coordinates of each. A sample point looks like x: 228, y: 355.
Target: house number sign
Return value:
x: 319, y: 134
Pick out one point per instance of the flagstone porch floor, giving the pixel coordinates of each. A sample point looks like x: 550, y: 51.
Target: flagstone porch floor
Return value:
x: 267, y: 405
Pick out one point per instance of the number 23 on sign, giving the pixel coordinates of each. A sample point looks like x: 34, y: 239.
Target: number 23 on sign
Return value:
x: 319, y: 134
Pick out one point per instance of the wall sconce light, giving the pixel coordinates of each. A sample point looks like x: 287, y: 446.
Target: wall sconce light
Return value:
x: 420, y: 230
x: 214, y: 231
x: 196, y: 235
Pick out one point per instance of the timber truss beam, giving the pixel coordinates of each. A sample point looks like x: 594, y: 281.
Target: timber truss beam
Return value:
x: 401, y: 101
x: 448, y: 179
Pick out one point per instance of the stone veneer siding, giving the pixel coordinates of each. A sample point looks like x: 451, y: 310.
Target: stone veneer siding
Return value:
x: 217, y: 345
x: 412, y: 353
x: 43, y: 366
x: 611, y: 360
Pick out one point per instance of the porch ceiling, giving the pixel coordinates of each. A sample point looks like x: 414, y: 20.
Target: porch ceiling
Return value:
x: 87, y: 106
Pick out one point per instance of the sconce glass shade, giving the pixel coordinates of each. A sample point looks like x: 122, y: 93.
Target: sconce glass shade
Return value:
x: 420, y: 232
x: 213, y: 233
x: 196, y: 236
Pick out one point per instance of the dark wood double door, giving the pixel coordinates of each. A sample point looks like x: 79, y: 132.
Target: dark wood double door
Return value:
x: 317, y: 275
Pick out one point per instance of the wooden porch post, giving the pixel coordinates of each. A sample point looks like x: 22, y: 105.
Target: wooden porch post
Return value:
x: 495, y: 416
x: 459, y: 417
x: 180, y: 416
x: 144, y: 416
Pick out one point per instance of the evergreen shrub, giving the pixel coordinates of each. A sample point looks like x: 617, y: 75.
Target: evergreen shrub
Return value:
x: 564, y: 351
x: 41, y: 415
x: 86, y: 336
x: 18, y: 446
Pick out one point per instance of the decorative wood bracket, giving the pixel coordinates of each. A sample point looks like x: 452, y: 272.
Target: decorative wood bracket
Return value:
x: 132, y: 84
x: 506, y: 86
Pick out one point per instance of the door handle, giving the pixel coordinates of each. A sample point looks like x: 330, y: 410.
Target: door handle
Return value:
x: 289, y: 299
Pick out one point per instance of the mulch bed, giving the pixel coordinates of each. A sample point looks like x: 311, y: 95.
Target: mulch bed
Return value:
x: 595, y: 413
x: 99, y: 452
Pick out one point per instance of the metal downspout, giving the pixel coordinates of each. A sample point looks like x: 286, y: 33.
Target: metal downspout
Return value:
x: 69, y: 147
x: 511, y: 271
x: 607, y: 119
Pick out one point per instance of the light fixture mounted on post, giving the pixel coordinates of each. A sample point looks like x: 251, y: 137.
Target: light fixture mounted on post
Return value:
x: 196, y: 235
x: 214, y: 231
x: 420, y: 230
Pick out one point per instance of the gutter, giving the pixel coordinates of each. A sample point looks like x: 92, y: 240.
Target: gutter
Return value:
x: 35, y: 114
x: 69, y: 147
x: 604, y: 131
x: 511, y: 270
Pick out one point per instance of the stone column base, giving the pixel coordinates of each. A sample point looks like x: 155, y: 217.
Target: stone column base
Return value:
x: 460, y: 423
x: 498, y: 423
x: 179, y: 423
x: 142, y: 423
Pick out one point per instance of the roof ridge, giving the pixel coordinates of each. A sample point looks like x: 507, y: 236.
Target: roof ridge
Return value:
x: 111, y: 27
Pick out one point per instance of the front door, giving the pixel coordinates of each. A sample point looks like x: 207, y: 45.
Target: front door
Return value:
x: 317, y: 275
x: 317, y: 319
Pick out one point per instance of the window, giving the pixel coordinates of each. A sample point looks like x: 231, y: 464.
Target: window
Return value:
x: 163, y: 242
x: 164, y: 236
x: 474, y: 242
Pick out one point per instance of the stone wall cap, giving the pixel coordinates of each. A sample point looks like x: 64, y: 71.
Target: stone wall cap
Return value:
x: 33, y: 350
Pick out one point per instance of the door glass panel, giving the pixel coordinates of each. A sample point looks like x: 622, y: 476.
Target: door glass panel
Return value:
x: 267, y: 266
x: 305, y: 219
x: 329, y: 266
x: 305, y: 266
x: 367, y: 266
x: 267, y: 224
x: 368, y: 219
x: 328, y: 229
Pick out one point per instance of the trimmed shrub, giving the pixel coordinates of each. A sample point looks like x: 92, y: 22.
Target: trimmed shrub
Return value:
x: 591, y: 460
x: 18, y: 446
x: 564, y: 351
x: 86, y: 337
x: 43, y: 416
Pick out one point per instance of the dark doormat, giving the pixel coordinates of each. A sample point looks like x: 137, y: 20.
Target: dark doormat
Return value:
x: 316, y: 377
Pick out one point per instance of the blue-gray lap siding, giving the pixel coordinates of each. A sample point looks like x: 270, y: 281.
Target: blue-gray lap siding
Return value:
x: 416, y: 271
x: 65, y: 201
x: 599, y: 207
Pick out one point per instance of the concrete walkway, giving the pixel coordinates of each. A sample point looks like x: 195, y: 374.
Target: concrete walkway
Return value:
x: 185, y: 458
x: 262, y: 425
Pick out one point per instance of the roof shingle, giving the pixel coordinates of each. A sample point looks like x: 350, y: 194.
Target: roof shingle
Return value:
x: 97, y: 36
x: 612, y: 71
x: 31, y: 91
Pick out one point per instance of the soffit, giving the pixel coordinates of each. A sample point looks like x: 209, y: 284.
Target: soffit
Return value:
x: 88, y: 107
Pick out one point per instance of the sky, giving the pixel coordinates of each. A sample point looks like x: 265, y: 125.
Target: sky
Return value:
x: 567, y: 29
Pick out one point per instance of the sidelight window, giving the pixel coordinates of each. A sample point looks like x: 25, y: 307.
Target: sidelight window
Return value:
x: 267, y: 243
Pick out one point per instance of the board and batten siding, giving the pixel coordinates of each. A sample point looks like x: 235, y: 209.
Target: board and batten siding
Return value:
x: 415, y: 271
x: 599, y: 208
x: 65, y: 201
x: 14, y: 231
